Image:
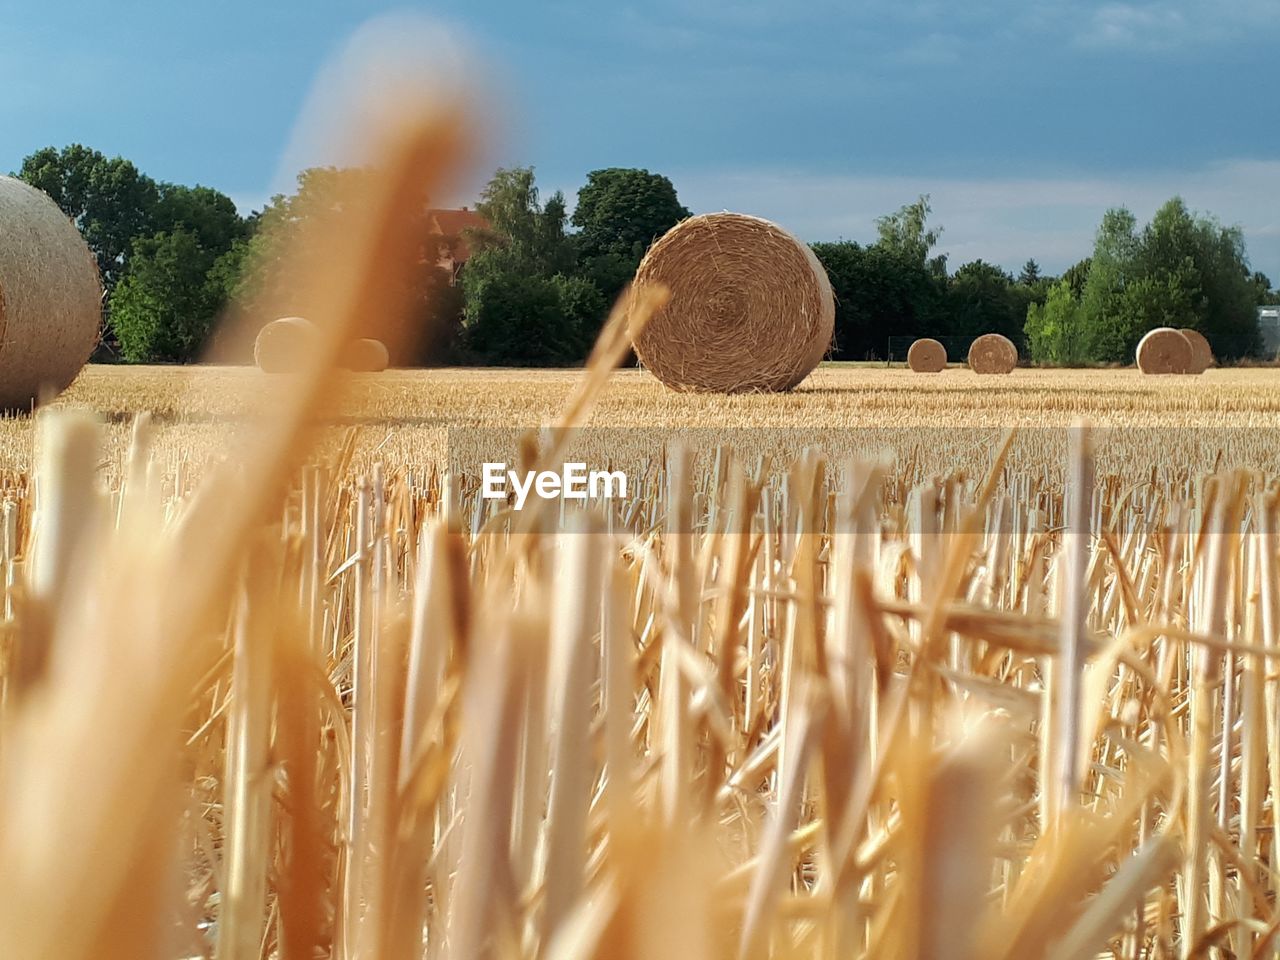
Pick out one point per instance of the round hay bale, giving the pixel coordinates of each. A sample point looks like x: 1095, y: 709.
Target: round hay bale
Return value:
x: 1201, y: 353
x: 751, y: 308
x: 366, y: 356
x: 927, y: 356
x: 282, y: 345
x: 992, y: 353
x: 1164, y: 350
x: 50, y: 298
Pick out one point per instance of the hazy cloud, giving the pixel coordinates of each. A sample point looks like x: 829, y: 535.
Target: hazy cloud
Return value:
x: 1001, y: 220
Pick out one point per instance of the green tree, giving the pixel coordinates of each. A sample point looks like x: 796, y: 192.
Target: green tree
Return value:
x: 165, y: 305
x: 1054, y: 331
x: 1263, y: 293
x: 522, y: 301
x: 620, y: 212
x: 108, y: 198
x: 515, y: 318
x: 1181, y: 270
x: 880, y: 292
x: 981, y: 298
x: 210, y: 215
x: 1109, y: 334
x: 1030, y: 274
x: 1077, y: 275
x: 623, y: 210
x: 907, y: 233
x: 530, y: 233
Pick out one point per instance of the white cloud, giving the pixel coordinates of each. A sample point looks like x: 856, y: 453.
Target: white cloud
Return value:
x: 1149, y: 26
x: 1174, y: 24
x: 1001, y: 220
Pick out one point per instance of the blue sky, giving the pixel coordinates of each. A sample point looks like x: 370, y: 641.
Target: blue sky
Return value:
x: 1023, y: 120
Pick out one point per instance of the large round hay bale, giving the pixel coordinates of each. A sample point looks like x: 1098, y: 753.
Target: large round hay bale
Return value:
x: 283, y: 345
x: 992, y: 353
x: 366, y: 356
x: 1164, y: 350
x: 927, y: 356
x: 1201, y: 353
x: 750, y: 310
x: 50, y: 298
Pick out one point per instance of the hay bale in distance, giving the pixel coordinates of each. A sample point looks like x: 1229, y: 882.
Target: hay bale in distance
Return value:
x: 1164, y: 350
x: 927, y: 356
x: 992, y: 353
x: 283, y: 345
x: 1201, y: 353
x: 751, y: 308
x: 50, y: 298
x: 366, y: 356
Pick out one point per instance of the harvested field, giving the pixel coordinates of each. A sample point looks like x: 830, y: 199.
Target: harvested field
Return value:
x: 399, y: 417
x: 824, y: 705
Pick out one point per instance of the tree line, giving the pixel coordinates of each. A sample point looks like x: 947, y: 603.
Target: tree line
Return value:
x: 539, y: 281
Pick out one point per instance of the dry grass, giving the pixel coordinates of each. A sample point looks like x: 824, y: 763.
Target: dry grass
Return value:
x: 400, y: 416
x: 833, y: 709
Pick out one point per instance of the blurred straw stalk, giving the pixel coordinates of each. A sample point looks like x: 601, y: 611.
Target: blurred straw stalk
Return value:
x: 367, y: 732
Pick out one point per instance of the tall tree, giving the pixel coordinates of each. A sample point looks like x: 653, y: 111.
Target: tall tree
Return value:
x: 981, y: 299
x: 906, y: 232
x: 880, y: 292
x: 623, y: 210
x: 526, y: 230
x: 108, y: 198
x: 1110, y: 334
x: 522, y: 304
x: 620, y: 212
x: 208, y: 214
x: 1263, y: 292
x: 1054, y: 332
x: 165, y: 305
x: 1181, y: 270
x: 1076, y: 276
x: 1030, y: 274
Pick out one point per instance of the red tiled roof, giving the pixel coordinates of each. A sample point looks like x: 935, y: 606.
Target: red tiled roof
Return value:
x: 452, y: 223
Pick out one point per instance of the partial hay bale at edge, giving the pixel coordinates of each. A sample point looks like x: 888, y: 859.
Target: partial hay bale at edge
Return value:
x: 927, y: 355
x: 50, y: 298
x: 751, y: 308
x: 1164, y: 350
x: 992, y: 353
x: 366, y: 356
x: 283, y: 345
x: 1201, y: 352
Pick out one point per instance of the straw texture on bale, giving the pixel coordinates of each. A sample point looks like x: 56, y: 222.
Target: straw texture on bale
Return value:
x: 282, y: 345
x: 992, y: 353
x: 1164, y: 350
x: 750, y: 309
x: 366, y: 356
x: 927, y: 356
x: 1201, y: 352
x: 50, y: 297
